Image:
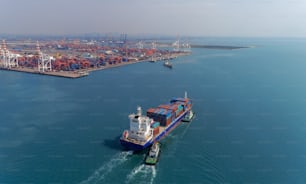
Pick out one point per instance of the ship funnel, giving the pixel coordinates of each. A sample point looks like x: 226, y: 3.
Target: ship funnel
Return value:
x: 186, y: 94
x: 139, y: 111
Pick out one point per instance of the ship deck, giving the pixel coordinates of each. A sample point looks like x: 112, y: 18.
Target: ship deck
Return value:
x: 161, y: 129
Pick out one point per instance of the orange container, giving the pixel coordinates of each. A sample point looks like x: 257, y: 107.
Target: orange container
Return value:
x: 156, y: 131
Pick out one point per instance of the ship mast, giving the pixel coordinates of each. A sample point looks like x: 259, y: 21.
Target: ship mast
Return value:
x: 139, y: 111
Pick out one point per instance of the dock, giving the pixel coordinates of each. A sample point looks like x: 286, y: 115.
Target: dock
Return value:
x: 74, y: 59
x: 78, y: 73
x: 65, y: 74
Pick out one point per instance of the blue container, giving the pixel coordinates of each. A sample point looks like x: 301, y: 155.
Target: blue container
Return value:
x: 163, y: 111
x: 155, y: 124
x: 74, y: 66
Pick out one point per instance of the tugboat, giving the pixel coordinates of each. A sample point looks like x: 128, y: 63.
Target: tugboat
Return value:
x: 153, y: 154
x: 168, y: 64
x: 189, y: 116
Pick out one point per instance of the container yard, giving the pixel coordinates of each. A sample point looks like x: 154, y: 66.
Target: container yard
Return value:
x: 77, y: 58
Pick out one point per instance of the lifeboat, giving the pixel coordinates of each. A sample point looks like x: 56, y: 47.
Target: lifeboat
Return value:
x: 125, y: 134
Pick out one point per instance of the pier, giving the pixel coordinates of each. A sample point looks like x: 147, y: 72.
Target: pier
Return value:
x: 65, y: 74
x: 75, y: 59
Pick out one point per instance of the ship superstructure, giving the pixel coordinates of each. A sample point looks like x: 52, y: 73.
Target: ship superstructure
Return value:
x: 140, y: 131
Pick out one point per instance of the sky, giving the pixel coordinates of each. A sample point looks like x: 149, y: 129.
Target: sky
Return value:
x: 236, y: 18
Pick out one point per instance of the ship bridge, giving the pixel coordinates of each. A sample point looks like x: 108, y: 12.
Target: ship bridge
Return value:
x: 140, y: 126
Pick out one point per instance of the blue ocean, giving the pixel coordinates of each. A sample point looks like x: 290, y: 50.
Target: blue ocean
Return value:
x: 250, y: 124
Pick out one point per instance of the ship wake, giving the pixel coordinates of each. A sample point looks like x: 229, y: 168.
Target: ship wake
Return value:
x: 105, y: 169
x: 142, y: 173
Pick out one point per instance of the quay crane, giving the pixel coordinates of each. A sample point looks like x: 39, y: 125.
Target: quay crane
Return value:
x: 44, y: 61
x: 8, y: 59
x: 139, y: 45
x: 176, y: 45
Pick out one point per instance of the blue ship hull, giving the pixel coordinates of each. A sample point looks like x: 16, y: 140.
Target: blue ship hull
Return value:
x: 137, y: 147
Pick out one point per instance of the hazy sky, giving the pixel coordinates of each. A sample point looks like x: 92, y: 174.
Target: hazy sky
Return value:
x: 170, y: 17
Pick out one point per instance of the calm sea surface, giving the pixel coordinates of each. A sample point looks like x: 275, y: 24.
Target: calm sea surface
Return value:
x: 250, y: 125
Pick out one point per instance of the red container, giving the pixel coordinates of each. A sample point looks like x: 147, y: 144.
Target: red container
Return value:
x: 179, y: 113
x: 151, y: 110
x: 156, y: 131
x: 170, y: 107
x: 168, y: 121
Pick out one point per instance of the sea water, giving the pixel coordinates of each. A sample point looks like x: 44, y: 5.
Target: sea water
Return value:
x: 250, y: 123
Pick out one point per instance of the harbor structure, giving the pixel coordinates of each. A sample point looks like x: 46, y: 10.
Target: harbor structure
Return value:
x: 76, y: 58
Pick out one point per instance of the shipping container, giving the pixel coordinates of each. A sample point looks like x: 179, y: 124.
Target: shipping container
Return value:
x: 172, y: 107
x: 169, y: 113
x: 162, y: 122
x: 173, y: 117
x: 155, y: 118
x: 168, y: 121
x: 155, y: 124
x: 156, y: 131
x: 162, y: 111
x: 151, y: 110
x: 156, y: 110
x: 74, y: 66
x: 179, y: 108
x: 179, y: 113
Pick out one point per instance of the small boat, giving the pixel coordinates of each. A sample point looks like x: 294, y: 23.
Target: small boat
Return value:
x: 189, y: 116
x: 83, y: 73
x: 153, y: 154
x: 168, y: 64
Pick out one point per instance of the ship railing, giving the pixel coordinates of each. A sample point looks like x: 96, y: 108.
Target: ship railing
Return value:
x: 139, y: 141
x: 136, y: 141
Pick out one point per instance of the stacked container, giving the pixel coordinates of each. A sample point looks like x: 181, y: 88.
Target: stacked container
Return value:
x: 166, y: 113
x: 155, y: 126
x: 161, y: 115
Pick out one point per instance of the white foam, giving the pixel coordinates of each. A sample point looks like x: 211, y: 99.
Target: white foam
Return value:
x: 187, y: 127
x: 143, y: 172
x: 105, y: 169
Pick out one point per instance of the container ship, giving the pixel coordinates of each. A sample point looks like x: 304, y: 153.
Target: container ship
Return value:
x: 155, y: 125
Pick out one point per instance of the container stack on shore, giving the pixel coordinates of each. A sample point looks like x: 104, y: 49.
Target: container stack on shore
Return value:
x: 76, y: 59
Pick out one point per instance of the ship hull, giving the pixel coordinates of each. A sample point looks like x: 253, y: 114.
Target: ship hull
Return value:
x: 133, y: 146
x: 137, y: 147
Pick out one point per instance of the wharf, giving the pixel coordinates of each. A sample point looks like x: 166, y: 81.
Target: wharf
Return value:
x: 79, y: 73
x: 131, y: 62
x: 65, y: 74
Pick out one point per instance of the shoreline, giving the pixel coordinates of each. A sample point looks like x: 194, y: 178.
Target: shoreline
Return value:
x: 81, y: 72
